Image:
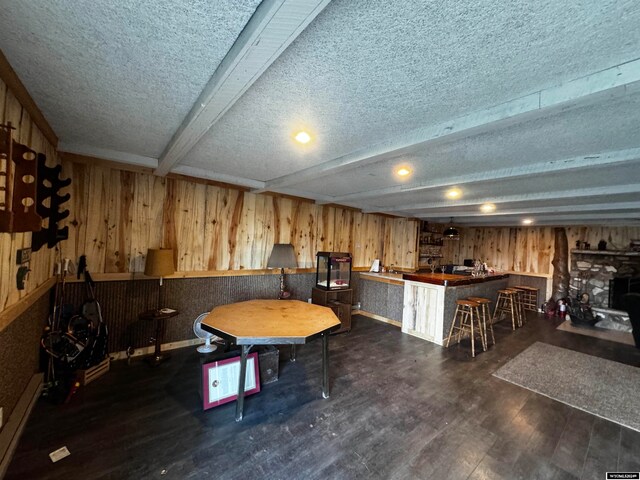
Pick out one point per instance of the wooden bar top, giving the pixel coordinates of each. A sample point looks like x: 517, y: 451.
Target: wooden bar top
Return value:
x: 451, y: 280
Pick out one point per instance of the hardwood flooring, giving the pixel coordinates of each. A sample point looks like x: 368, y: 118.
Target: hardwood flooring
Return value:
x: 399, y: 408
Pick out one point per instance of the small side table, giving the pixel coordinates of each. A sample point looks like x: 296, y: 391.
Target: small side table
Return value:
x: 159, y: 316
x: 337, y: 300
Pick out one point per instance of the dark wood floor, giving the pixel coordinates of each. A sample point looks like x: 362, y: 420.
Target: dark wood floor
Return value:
x: 400, y: 408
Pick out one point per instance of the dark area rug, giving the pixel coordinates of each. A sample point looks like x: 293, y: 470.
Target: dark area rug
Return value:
x: 595, y: 385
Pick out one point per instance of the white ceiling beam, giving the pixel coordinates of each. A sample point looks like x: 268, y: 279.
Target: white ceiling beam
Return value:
x: 106, y: 154
x: 569, y: 207
x: 218, y: 177
x: 255, y: 185
x: 411, y: 209
x: 612, y: 82
x: 271, y: 29
x: 577, y: 219
x: 616, y: 158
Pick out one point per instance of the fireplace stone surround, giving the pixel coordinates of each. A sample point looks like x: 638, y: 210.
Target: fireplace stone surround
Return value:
x: 591, y: 272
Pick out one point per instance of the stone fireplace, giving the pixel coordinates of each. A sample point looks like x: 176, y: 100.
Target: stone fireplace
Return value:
x: 597, y: 272
x: 593, y: 270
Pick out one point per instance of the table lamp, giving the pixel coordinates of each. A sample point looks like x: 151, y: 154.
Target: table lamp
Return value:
x: 159, y: 263
x: 282, y: 256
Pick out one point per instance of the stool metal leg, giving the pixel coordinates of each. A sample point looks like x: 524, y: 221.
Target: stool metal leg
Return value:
x: 325, y: 365
x: 241, y: 382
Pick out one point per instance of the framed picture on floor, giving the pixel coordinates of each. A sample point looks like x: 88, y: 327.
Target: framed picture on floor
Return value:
x: 220, y: 380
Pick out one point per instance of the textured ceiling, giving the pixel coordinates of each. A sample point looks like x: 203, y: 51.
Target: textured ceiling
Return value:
x: 118, y: 75
x: 485, y: 96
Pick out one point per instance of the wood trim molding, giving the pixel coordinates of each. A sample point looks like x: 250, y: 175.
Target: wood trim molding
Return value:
x: 10, y: 77
x: 382, y: 279
x: 124, y: 276
x: 11, y: 313
x: 102, y: 162
x: 126, y: 167
x: 141, y: 351
x: 10, y: 433
x: 389, y: 215
x: 206, y: 181
x: 343, y: 207
x: 526, y: 274
x: 290, y: 197
x: 380, y: 318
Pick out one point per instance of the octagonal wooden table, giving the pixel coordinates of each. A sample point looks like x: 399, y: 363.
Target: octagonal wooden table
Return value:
x: 272, y: 322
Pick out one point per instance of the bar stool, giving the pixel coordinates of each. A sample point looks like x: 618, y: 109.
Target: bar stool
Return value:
x: 522, y: 297
x: 486, y: 317
x: 529, y: 297
x: 467, y: 312
x: 518, y: 296
x: 506, y: 304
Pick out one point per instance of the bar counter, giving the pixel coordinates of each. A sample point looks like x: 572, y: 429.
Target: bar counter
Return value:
x: 430, y: 300
x: 451, y: 280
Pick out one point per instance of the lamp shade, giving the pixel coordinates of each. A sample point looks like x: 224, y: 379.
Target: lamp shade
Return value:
x: 451, y: 232
x: 159, y: 262
x: 282, y: 256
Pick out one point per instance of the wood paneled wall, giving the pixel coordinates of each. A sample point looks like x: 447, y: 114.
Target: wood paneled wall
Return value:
x: 617, y: 238
x: 26, y: 132
x: 528, y: 249
x: 116, y: 215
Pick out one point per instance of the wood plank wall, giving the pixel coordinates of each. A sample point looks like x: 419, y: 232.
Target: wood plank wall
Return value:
x: 528, y: 249
x: 116, y: 215
x: 41, y: 265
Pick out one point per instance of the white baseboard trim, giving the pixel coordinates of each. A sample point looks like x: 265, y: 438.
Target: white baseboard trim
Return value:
x: 139, y: 352
x: 11, y: 431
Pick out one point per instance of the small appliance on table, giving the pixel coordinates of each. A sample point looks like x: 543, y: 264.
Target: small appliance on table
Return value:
x: 333, y: 286
x: 333, y: 270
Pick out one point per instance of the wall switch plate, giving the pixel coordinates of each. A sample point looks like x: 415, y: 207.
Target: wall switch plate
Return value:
x: 23, y: 256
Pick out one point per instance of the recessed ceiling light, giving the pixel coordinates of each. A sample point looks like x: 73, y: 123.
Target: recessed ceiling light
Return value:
x: 403, y: 171
x: 527, y: 221
x: 487, y: 207
x: 453, y: 193
x: 302, y: 137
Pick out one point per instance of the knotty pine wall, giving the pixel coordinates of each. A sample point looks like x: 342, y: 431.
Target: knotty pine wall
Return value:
x: 23, y: 313
x: 528, y: 249
x: 116, y: 215
x: 26, y: 132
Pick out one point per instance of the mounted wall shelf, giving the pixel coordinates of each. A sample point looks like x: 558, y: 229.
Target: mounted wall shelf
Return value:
x: 622, y: 253
x: 429, y: 244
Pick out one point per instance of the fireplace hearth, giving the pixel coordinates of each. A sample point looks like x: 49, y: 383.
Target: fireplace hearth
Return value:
x: 618, y: 287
